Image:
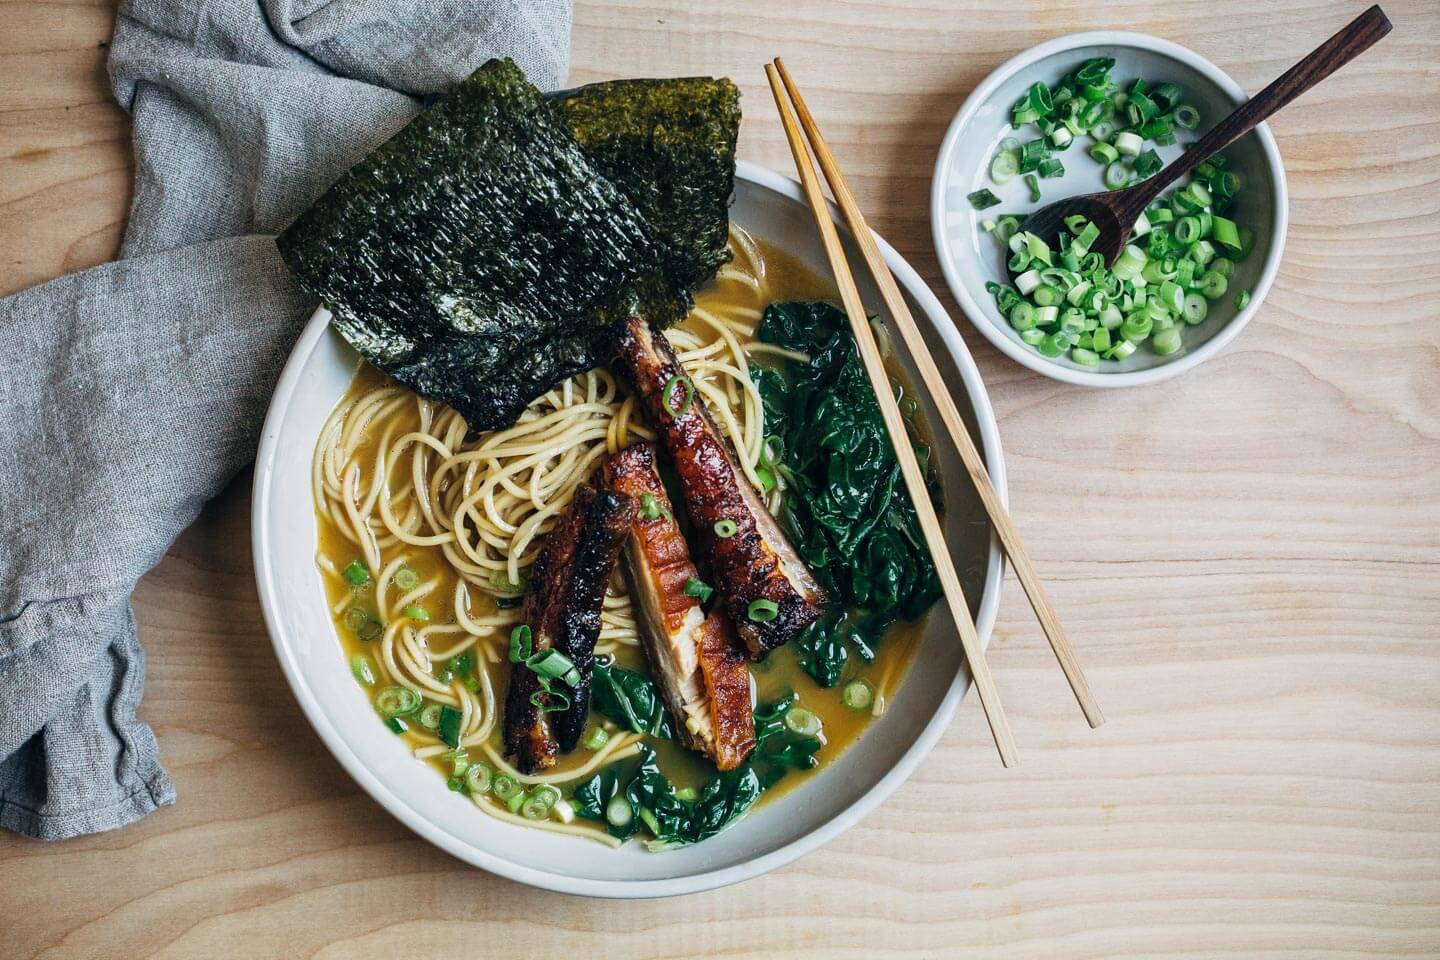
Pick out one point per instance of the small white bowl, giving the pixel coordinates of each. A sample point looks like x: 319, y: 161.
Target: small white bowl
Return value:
x: 969, y: 257
x: 292, y: 597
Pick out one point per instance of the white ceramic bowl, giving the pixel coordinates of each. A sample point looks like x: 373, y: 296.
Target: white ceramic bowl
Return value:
x: 291, y: 596
x: 969, y: 257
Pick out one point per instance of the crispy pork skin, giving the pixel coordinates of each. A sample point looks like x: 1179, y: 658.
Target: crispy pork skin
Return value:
x: 695, y: 658
x: 756, y: 562
x: 562, y: 609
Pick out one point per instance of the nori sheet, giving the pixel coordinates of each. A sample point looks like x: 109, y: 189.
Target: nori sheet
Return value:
x: 670, y: 146
x: 480, y: 256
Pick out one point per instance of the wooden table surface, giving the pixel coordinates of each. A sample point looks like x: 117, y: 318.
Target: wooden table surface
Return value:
x: 1247, y: 557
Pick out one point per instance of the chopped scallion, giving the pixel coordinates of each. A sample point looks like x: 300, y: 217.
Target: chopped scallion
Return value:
x: 982, y: 199
x: 698, y: 589
x: 858, y: 695
x: 677, y: 406
x: 406, y: 578
x: 361, y: 668
x: 763, y: 611
x: 520, y: 643
x: 397, y: 701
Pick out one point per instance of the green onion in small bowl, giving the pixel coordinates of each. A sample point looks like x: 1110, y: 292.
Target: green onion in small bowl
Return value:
x: 1216, y: 240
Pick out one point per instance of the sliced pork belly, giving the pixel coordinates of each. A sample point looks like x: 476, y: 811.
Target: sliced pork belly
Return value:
x: 755, y: 563
x: 695, y: 658
x: 562, y: 609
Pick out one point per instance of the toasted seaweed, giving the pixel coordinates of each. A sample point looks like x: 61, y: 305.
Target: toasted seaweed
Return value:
x: 483, y: 254
x: 670, y: 146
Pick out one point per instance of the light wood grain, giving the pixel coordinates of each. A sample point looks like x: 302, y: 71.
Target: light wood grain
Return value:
x: 1248, y: 558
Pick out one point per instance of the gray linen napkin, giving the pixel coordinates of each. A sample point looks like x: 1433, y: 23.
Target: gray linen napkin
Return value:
x: 131, y: 393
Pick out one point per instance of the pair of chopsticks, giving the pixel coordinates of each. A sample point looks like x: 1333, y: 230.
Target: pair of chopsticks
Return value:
x: 781, y: 84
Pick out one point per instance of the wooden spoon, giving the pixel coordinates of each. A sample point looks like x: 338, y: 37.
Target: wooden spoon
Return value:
x: 1114, y: 212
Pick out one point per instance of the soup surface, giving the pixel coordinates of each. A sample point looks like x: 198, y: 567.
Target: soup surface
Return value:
x: 425, y: 537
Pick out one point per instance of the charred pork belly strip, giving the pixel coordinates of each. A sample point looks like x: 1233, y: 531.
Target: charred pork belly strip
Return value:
x: 754, y: 563
x: 562, y: 609
x: 695, y: 658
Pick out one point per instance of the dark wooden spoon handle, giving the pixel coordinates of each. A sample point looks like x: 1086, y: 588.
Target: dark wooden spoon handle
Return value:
x: 1352, y: 40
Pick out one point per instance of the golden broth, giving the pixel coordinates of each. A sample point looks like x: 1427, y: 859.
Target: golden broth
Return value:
x: 781, y: 278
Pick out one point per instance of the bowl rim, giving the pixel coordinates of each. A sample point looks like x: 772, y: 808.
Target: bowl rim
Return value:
x: 262, y: 548
x: 982, y: 321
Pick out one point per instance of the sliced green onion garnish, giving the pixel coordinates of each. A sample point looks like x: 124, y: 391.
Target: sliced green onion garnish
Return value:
x: 357, y: 617
x: 596, y: 738
x: 556, y: 666
x: 479, y: 777
x: 533, y: 809
x: 397, y: 701
x: 1242, y: 299
x: 725, y: 529
x: 459, y: 761
x: 1065, y: 301
x: 763, y: 611
x: 650, y: 508
x: 546, y: 794
x: 982, y: 199
x: 698, y: 589
x: 1116, y: 176
x: 858, y: 695
x: 416, y: 612
x: 677, y: 406
x: 1004, y: 168
x: 396, y: 725
x: 618, y: 812
x: 356, y: 573
x: 430, y: 716
x: 804, y: 722
x: 370, y: 629
x: 520, y: 643
x: 1166, y: 342
x: 1213, y: 285
x: 360, y: 667
x: 505, y: 786
x: 406, y: 578
x: 549, y: 699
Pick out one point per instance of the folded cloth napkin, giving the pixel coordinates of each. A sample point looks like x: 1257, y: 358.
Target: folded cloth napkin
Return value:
x: 131, y: 393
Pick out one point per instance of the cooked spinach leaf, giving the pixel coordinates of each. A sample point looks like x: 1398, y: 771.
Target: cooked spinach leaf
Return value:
x: 778, y: 749
x: 847, y: 509
x: 592, y: 798
x: 449, y: 728
x: 630, y: 699
x: 657, y: 807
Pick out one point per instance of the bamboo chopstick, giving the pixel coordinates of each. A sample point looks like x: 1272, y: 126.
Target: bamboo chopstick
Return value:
x: 895, y: 426
x: 934, y: 383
